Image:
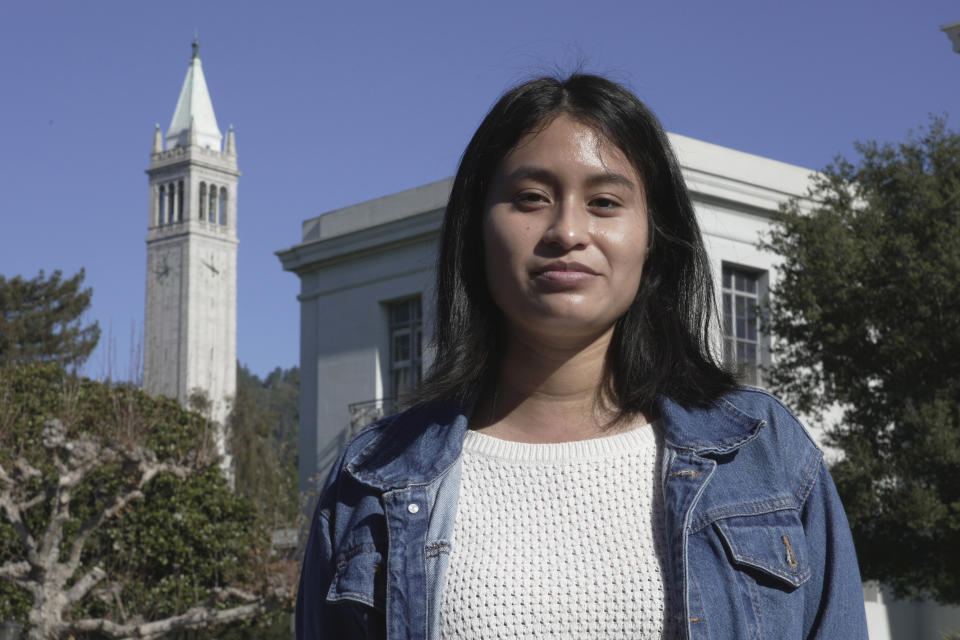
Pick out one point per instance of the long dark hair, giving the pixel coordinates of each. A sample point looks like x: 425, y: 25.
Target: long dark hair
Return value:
x: 662, y: 343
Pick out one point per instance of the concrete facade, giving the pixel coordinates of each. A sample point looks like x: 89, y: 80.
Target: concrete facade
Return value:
x: 190, y: 321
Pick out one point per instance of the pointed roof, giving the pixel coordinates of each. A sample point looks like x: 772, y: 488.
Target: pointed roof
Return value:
x: 194, y: 106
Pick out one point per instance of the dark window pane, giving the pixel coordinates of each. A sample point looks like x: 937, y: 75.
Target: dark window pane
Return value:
x: 727, y: 315
x: 400, y: 313
x: 401, y: 347
x: 162, y: 208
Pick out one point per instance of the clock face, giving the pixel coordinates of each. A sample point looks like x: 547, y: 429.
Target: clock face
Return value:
x: 162, y: 270
x: 213, y: 268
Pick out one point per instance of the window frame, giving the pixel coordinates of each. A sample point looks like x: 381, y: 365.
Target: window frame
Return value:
x: 412, y: 328
x: 733, y: 334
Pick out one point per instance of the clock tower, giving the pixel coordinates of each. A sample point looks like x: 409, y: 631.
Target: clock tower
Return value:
x: 190, y: 323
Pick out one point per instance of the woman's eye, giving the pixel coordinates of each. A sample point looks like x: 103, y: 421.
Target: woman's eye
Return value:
x: 530, y: 198
x: 603, y: 203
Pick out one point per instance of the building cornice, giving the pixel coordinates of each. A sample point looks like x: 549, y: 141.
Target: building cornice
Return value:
x: 305, y: 257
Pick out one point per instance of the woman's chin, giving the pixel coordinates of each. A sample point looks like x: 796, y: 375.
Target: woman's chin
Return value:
x: 566, y: 324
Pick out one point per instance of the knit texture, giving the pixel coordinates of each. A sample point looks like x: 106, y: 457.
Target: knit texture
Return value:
x: 557, y: 541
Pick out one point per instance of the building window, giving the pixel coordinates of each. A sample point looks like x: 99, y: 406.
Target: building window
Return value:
x: 203, y: 198
x: 212, y: 212
x: 161, y: 206
x: 223, y: 206
x: 405, y: 350
x: 180, y: 201
x: 741, y: 335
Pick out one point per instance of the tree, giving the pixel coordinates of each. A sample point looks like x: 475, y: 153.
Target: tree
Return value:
x: 40, y: 320
x: 263, y: 434
x: 866, y: 314
x: 115, y: 520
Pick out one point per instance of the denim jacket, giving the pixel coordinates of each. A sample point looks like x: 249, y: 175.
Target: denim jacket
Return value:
x: 758, y: 545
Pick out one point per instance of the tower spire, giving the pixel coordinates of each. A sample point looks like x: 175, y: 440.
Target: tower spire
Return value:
x: 194, y: 105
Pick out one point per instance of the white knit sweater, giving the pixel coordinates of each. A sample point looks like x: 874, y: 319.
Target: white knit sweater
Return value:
x: 557, y: 541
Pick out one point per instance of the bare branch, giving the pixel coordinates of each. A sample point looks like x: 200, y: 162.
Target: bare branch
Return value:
x: 17, y: 572
x: 49, y: 550
x: 91, y: 525
x: 149, y: 469
x: 26, y: 471
x: 220, y: 595
x: 15, y: 517
x: 194, y: 618
x: 34, y: 501
x: 83, y: 586
x: 12, y: 570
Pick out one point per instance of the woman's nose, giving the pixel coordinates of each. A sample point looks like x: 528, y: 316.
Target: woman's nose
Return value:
x: 569, y: 227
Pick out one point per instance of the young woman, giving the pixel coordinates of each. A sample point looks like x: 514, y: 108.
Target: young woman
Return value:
x: 578, y: 464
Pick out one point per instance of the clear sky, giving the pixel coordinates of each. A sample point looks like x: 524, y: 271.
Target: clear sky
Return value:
x: 335, y: 103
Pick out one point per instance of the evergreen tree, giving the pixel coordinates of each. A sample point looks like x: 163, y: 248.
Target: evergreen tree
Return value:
x: 40, y: 320
x: 867, y: 318
x: 264, y: 428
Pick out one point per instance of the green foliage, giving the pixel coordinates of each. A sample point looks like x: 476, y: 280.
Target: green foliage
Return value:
x: 867, y: 318
x: 264, y: 426
x: 40, y: 320
x: 167, y: 551
x: 190, y: 537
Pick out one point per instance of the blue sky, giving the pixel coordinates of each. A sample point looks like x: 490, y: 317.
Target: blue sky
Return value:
x: 336, y: 103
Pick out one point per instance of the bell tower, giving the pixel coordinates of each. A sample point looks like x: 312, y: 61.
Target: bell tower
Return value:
x: 190, y: 326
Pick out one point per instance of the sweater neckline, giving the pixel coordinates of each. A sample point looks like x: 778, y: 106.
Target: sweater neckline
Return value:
x: 635, y: 440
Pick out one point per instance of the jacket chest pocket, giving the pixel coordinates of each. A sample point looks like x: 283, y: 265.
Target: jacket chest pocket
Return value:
x: 770, y: 544
x: 357, y: 594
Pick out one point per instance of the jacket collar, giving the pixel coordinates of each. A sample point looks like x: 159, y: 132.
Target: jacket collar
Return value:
x: 718, y: 428
x: 411, y: 448
x: 417, y: 446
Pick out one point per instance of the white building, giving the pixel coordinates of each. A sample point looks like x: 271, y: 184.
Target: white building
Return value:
x: 366, y: 316
x: 190, y: 321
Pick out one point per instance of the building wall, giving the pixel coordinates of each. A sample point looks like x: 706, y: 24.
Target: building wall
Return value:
x: 344, y: 343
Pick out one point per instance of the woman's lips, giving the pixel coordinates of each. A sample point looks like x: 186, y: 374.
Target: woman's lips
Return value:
x: 564, y: 274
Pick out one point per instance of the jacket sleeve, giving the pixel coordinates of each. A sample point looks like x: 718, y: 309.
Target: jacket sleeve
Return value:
x: 834, y: 606
x: 315, y: 577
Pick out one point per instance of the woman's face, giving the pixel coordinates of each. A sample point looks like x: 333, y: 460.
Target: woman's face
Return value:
x: 564, y: 232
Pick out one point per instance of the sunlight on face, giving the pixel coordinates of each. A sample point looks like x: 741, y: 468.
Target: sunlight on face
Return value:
x: 565, y: 232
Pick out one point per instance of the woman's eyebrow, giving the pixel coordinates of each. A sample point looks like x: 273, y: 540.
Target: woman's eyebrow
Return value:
x: 611, y: 177
x: 544, y: 175
x: 534, y: 173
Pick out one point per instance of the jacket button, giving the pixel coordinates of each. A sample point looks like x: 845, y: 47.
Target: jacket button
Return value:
x: 413, y: 507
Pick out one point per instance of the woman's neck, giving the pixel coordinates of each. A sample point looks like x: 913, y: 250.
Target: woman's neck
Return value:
x: 548, y: 391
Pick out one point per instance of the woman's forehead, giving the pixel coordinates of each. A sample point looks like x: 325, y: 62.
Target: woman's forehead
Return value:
x: 565, y: 141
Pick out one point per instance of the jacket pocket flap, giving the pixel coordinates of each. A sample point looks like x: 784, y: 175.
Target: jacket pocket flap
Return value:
x: 359, y: 577
x: 772, y: 543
